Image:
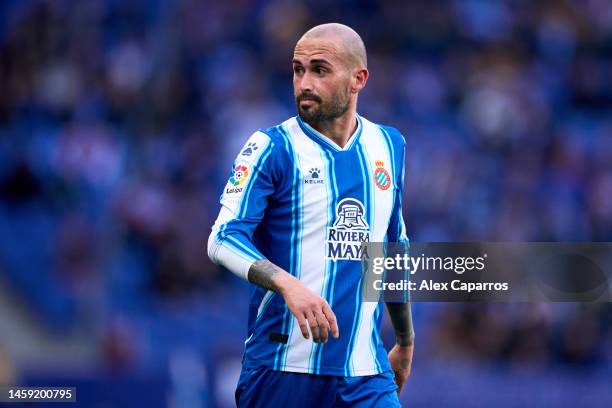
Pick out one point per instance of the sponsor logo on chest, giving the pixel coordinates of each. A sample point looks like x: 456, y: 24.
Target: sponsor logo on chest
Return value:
x: 313, y: 176
x: 350, y: 229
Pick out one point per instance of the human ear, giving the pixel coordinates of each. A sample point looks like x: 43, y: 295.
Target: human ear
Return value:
x: 360, y: 77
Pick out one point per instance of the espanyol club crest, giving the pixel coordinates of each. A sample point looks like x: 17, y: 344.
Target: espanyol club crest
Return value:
x: 349, y: 230
x: 381, y: 176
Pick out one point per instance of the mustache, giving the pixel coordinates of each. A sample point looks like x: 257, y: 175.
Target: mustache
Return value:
x: 308, y: 95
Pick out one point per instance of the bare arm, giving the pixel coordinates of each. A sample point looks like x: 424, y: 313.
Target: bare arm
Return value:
x: 401, y: 319
x: 400, y: 355
x: 308, y: 308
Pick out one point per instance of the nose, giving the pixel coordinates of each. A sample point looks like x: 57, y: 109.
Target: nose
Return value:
x: 305, y: 83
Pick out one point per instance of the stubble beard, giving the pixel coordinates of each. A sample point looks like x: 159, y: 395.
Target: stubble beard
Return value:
x: 323, y: 111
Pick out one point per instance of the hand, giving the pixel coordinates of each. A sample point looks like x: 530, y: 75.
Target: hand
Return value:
x: 308, y: 308
x: 400, y: 358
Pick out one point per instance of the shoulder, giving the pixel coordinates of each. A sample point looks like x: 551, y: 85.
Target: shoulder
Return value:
x: 392, y: 134
x: 269, y: 148
x: 396, y: 137
x: 278, y: 134
x: 271, y: 140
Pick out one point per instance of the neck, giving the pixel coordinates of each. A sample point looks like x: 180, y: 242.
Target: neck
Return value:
x: 339, y: 129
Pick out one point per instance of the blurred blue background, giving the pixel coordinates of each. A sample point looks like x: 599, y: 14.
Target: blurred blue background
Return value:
x: 119, y: 121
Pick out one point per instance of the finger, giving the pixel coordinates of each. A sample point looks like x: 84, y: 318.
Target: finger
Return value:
x: 331, y: 319
x: 323, y: 325
x: 303, y: 326
x: 314, y: 327
x: 399, y: 383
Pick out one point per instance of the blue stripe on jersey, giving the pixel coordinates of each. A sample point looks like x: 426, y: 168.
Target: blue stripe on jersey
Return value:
x: 376, y: 340
x: 243, y: 248
x: 330, y: 266
x: 267, y: 316
x: 398, y: 173
x: 237, y: 247
x: 368, y: 162
x: 244, y: 202
x: 312, y: 360
x: 334, y: 203
x: 236, y: 251
x: 278, y: 357
x: 349, y: 367
x: 373, y: 339
x: 296, y: 251
x: 299, y: 227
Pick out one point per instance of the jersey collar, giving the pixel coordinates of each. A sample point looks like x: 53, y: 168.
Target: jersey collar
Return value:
x: 327, y: 142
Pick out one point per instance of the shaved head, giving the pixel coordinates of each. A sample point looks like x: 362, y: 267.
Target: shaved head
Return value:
x: 329, y: 70
x: 350, y: 44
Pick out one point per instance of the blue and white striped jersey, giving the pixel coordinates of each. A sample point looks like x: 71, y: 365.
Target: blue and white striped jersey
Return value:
x: 299, y: 200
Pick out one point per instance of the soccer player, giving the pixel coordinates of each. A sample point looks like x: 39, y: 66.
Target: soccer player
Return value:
x: 302, y: 197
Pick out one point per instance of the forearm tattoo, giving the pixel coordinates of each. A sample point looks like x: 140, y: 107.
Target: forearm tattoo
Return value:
x: 401, y: 319
x: 261, y: 273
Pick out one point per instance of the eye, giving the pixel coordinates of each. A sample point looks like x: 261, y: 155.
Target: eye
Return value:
x: 298, y: 69
x: 320, y: 70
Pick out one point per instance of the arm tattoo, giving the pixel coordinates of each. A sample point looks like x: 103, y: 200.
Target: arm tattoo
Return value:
x: 401, y: 318
x: 261, y: 272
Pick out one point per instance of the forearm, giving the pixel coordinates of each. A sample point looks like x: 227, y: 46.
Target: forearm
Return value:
x: 401, y: 319
x: 269, y: 276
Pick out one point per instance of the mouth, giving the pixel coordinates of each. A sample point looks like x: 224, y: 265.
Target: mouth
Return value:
x: 307, y: 102
x: 308, y: 98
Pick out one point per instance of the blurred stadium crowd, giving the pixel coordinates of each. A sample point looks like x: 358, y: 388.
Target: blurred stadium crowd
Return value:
x: 119, y: 121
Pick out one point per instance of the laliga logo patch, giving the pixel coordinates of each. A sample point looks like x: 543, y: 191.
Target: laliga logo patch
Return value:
x: 240, y: 172
x: 350, y: 229
x: 381, y: 176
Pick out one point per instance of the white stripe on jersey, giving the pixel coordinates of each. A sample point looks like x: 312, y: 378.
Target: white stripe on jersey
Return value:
x: 375, y: 148
x: 314, y: 205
